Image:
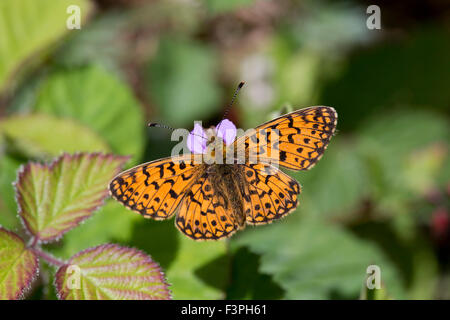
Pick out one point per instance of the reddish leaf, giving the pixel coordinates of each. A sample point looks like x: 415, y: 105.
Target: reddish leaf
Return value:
x: 111, y: 272
x: 18, y: 265
x: 55, y: 198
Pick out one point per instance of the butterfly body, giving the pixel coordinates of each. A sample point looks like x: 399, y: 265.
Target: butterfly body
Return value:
x: 226, y: 180
x: 220, y: 191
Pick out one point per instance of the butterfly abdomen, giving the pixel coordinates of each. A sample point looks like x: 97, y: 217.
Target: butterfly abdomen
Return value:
x: 225, y: 181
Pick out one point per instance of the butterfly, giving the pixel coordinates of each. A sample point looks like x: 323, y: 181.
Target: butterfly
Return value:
x: 212, y: 201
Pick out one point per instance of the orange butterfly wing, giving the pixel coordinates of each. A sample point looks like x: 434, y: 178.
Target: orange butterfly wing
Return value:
x: 203, y: 214
x: 269, y: 194
x: 155, y: 189
x: 303, y: 136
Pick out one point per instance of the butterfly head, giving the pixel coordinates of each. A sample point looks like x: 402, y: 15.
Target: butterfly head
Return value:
x: 210, y: 140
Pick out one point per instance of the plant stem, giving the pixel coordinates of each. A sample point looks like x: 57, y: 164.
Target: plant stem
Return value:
x: 34, y: 242
x: 49, y: 258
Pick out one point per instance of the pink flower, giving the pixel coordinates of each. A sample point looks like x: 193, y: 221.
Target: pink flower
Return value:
x: 196, y: 140
x: 226, y: 130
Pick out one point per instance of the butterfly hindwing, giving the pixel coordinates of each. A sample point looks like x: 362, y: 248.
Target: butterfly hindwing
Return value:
x: 296, y: 140
x: 204, y: 214
x: 270, y: 193
x: 155, y: 189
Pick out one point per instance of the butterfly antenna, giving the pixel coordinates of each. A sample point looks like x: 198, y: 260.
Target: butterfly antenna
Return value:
x: 241, y: 84
x: 159, y: 125
x: 227, y: 110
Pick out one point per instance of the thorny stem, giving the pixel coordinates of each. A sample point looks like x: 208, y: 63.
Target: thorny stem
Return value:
x: 34, y: 242
x: 44, y: 255
x: 49, y: 258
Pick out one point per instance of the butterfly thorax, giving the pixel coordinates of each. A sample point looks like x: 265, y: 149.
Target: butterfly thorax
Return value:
x: 216, y: 149
x: 226, y: 180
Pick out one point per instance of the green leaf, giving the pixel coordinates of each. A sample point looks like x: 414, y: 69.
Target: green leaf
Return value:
x: 98, y: 100
x: 28, y: 26
x: 247, y: 282
x: 18, y: 266
x: 424, y: 167
x: 196, y: 270
x: 55, y: 198
x: 313, y: 260
x: 296, y: 78
x: 348, y: 88
x: 394, y: 134
x: 183, y: 81
x: 336, y: 185
x: 426, y: 268
x: 97, y: 43
x: 329, y: 27
x: 111, y: 223
x: 111, y: 272
x: 403, y: 241
x: 195, y: 273
x: 8, y: 205
x: 374, y: 294
x: 404, y: 160
x: 29, y: 135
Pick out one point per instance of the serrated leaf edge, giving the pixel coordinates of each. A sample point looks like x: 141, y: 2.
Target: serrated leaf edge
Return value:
x: 23, y: 169
x: 21, y: 293
x: 58, y: 278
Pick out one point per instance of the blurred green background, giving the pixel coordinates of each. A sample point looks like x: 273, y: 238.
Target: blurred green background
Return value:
x: 380, y: 195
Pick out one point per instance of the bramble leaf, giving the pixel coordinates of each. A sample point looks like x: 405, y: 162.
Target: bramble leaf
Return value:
x: 18, y: 265
x: 195, y: 270
x: 111, y: 223
x: 30, y: 136
x: 22, y: 25
x: 99, y: 100
x: 111, y: 272
x: 311, y: 259
x: 8, y: 205
x: 200, y: 269
x: 55, y: 198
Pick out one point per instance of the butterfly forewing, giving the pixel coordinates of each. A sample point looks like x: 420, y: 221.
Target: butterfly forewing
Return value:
x: 296, y: 140
x: 155, y: 189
